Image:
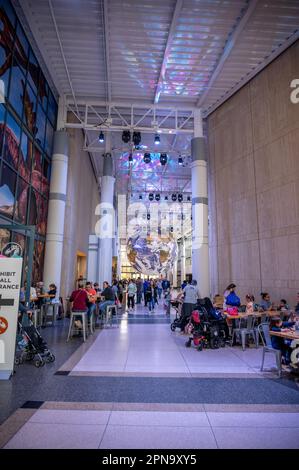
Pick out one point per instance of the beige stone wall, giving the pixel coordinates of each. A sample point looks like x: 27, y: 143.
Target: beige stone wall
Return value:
x: 82, y: 198
x: 253, y: 143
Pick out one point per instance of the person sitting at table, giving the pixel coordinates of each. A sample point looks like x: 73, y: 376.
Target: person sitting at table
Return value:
x: 92, y: 297
x: 40, y: 288
x: 266, y: 303
x: 230, y: 297
x: 276, y: 324
x: 96, y: 287
x: 249, y: 304
x: 283, y: 306
x: 79, y: 300
x: 109, y: 298
x: 297, y: 306
x: 52, y: 290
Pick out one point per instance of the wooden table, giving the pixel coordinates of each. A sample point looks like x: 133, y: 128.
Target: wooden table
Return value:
x: 287, y: 334
x: 267, y: 313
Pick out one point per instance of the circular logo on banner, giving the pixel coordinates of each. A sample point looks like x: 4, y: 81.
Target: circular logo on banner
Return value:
x: 12, y: 250
x: 3, y: 325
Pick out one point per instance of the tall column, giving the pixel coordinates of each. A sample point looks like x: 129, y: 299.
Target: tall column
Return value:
x: 92, y: 262
x: 183, y: 260
x: 200, y: 247
x: 56, y: 211
x: 175, y: 273
x: 107, y: 217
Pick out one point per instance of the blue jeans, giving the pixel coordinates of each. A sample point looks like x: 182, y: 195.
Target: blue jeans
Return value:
x: 105, y: 304
x: 159, y: 292
x: 91, y: 309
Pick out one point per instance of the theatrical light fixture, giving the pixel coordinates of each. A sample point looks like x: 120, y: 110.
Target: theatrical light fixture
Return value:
x: 126, y: 136
x: 157, y: 197
x: 171, y: 229
x: 136, y: 138
x: 148, y: 216
x: 101, y: 137
x: 157, y: 139
x: 151, y: 197
x: 180, y: 198
x: 130, y: 157
x: 180, y: 160
x: 163, y: 159
x: 147, y: 158
x: 140, y: 196
x: 166, y: 198
x: 173, y: 197
x: 188, y: 198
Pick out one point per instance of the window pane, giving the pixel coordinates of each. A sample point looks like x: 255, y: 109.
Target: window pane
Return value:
x: 16, y: 89
x: 36, y: 175
x: 38, y: 261
x: 21, y: 48
x: 4, y: 238
x: 43, y: 91
x: 21, y: 201
x: 2, y: 125
x: 42, y: 215
x: 32, y: 219
x: 7, y: 14
x: 33, y: 72
x: 49, y: 138
x: 41, y: 126
x: 45, y: 178
x: 11, y: 141
x: 7, y: 191
x: 52, y: 109
x: 29, y: 109
x: 25, y: 159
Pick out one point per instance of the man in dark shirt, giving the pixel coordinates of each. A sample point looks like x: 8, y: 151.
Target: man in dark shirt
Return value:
x: 109, y: 297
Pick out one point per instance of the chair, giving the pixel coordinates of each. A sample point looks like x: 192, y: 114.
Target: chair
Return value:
x: 263, y: 319
x: 49, y: 309
x: 248, y: 330
x: 75, y: 316
x: 267, y: 346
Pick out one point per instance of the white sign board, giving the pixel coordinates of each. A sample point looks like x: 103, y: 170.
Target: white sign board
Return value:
x: 10, y: 279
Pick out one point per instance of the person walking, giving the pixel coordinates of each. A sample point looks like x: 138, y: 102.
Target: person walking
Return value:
x: 132, y: 290
x: 191, y: 295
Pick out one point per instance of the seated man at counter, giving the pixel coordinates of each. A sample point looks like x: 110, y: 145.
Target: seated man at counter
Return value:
x: 109, y: 297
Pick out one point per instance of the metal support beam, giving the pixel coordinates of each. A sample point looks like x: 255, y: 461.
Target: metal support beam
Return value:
x: 106, y: 48
x: 228, y: 48
x: 177, y: 10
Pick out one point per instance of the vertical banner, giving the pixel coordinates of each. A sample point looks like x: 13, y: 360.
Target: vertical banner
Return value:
x: 10, y: 280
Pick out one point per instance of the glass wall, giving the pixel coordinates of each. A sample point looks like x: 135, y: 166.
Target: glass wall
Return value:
x: 28, y: 113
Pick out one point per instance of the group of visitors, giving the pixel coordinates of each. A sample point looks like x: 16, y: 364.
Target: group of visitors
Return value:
x: 39, y: 296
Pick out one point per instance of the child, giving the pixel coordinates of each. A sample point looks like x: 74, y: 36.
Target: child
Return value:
x: 249, y: 304
x: 283, y: 306
x: 276, y: 324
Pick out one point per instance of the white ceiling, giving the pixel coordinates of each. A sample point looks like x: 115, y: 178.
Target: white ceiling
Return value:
x: 179, y: 52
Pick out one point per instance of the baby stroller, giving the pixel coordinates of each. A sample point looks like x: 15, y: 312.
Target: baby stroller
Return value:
x: 197, y: 332
x: 32, y: 347
x: 177, y: 322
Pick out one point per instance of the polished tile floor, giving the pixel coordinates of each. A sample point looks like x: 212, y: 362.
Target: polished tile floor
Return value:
x: 138, y: 386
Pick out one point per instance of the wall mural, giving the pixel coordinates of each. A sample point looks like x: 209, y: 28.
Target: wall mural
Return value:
x: 27, y: 120
x: 151, y: 255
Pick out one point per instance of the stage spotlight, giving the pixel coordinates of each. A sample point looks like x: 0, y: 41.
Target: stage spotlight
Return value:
x: 136, y: 138
x: 173, y: 197
x: 157, y: 197
x: 171, y: 229
x: 166, y: 198
x: 180, y: 160
x: 163, y: 159
x: 140, y: 196
x: 130, y: 157
x: 189, y: 198
x: 151, y: 197
x: 101, y: 138
x: 148, y: 216
x: 157, y: 139
x: 126, y: 136
x: 147, y: 158
x: 180, y: 198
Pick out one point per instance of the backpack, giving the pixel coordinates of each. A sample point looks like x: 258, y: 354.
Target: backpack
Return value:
x: 233, y: 300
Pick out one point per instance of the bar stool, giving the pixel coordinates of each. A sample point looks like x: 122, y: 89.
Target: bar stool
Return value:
x: 36, y: 317
x: 77, y: 316
x: 92, y: 322
x: 110, y: 309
